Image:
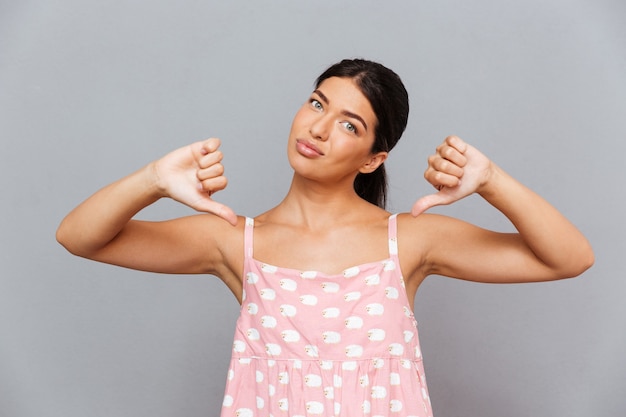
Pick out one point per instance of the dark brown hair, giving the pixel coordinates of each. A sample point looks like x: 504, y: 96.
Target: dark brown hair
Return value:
x: 390, y: 102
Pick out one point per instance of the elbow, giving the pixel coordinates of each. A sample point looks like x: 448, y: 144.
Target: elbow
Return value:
x: 580, y: 262
x: 63, y: 238
x: 66, y: 238
x: 587, y: 261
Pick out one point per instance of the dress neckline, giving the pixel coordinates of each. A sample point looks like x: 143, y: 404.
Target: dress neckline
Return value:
x: 345, y: 273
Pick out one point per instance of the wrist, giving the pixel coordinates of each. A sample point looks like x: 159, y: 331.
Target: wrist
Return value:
x: 492, y: 182
x: 153, y: 183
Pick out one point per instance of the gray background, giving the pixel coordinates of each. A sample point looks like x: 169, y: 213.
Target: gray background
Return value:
x: 92, y: 90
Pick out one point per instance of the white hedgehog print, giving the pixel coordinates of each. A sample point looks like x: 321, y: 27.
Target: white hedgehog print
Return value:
x: 252, y: 308
x: 372, y: 280
x: 330, y: 312
x: 391, y: 293
x: 314, y: 407
x: 239, y: 346
x: 395, y: 406
x: 376, y: 335
x: 253, y: 334
x: 283, y: 404
x: 394, y: 378
x: 354, y: 351
x: 389, y: 265
x: 272, y: 349
x: 244, y: 412
x: 290, y: 336
x: 268, y: 322
x: 331, y: 337
x: 379, y: 392
x: 283, y: 378
x: 288, y: 284
x: 308, y: 300
x: 287, y: 310
x: 311, y: 350
x: 354, y: 322
x: 352, y: 296
x: 252, y: 278
x: 375, y: 309
x: 330, y: 287
x: 396, y: 349
x: 308, y: 274
x: 378, y: 363
x: 351, y: 272
x: 408, y: 336
x: 268, y: 294
x: 313, y: 380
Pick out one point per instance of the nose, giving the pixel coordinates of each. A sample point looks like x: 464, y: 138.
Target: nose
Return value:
x: 320, y: 127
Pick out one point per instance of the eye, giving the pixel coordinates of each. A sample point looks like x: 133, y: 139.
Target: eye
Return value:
x: 350, y: 127
x: 316, y: 104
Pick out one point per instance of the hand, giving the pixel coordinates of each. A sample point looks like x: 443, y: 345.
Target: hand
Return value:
x: 192, y: 174
x: 456, y: 170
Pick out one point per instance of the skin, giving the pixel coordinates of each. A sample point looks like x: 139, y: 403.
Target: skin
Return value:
x: 329, y: 143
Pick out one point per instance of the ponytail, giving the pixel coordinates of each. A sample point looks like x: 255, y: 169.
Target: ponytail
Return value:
x: 372, y: 187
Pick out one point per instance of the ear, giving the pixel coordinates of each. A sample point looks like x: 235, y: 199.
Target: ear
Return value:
x: 373, y: 162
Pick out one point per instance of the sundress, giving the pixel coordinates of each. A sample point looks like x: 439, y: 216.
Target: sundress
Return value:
x: 313, y: 344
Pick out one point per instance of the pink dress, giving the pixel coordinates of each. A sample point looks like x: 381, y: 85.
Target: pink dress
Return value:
x: 312, y: 344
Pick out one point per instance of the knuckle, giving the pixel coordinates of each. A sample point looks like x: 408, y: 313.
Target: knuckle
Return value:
x: 219, y: 169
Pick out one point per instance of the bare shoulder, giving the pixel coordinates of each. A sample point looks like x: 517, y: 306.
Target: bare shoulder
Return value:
x: 196, y: 244
x: 419, y: 238
x: 213, y: 233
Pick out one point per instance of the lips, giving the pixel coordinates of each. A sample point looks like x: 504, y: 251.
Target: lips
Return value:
x: 307, y: 148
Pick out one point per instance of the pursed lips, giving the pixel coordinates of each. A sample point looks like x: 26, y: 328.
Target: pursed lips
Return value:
x: 307, y: 144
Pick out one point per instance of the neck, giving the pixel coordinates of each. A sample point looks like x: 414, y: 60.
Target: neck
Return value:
x: 314, y: 205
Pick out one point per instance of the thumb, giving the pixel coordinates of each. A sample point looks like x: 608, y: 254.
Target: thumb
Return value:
x: 431, y: 200
x: 219, y: 209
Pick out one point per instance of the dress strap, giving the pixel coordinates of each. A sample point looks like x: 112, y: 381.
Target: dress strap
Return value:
x: 393, y: 236
x: 248, y: 237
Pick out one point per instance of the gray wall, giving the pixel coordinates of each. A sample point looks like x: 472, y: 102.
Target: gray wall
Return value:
x: 92, y: 90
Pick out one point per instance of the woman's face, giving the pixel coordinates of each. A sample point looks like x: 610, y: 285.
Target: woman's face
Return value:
x: 333, y: 133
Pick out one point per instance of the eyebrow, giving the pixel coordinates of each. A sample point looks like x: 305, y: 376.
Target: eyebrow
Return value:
x: 344, y: 112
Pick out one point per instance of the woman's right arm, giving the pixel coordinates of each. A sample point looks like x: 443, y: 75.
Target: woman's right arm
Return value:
x: 101, y: 228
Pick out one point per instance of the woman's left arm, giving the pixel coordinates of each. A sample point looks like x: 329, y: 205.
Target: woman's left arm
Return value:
x: 547, y: 245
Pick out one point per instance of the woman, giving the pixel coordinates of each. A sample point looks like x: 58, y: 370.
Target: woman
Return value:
x: 327, y: 278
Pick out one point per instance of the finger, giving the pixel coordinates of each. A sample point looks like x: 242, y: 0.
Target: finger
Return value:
x: 450, y: 153
x: 213, y: 185
x: 429, y: 201
x: 457, y: 143
x: 205, y: 147
x: 221, y: 210
x: 212, y: 171
x: 441, y: 179
x: 445, y: 166
x: 212, y: 158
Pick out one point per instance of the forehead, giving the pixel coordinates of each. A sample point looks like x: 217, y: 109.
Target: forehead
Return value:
x: 346, y: 95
